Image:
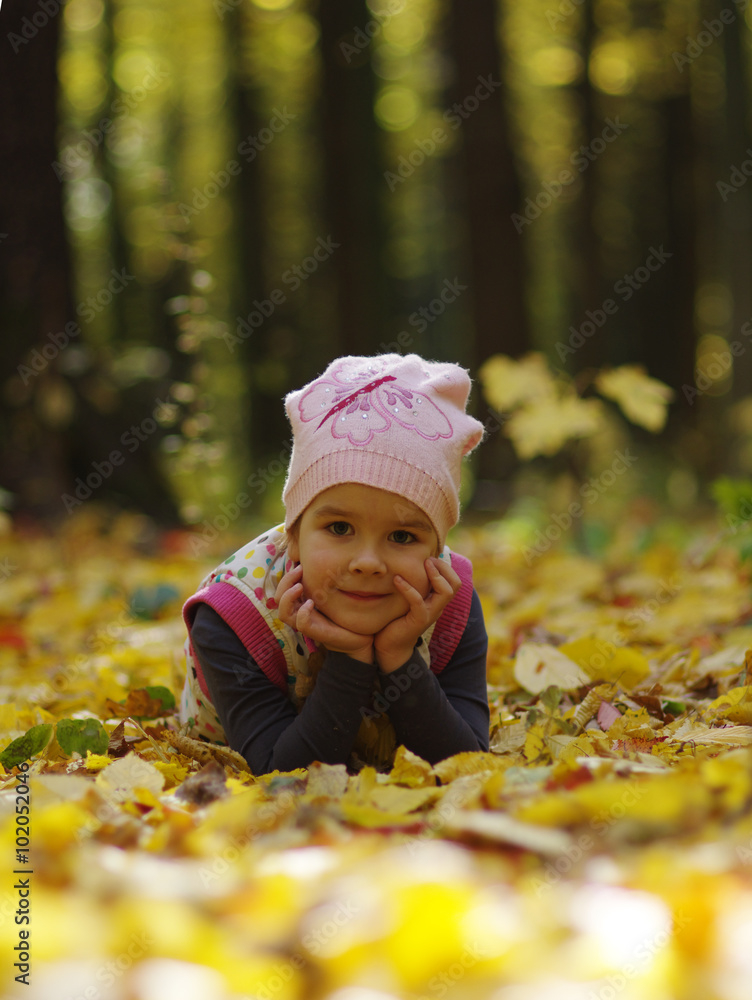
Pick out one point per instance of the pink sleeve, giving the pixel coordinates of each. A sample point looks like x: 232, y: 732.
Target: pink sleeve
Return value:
x: 453, y: 619
x: 247, y: 623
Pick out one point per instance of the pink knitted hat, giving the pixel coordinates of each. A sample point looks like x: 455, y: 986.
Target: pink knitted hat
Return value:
x: 391, y: 421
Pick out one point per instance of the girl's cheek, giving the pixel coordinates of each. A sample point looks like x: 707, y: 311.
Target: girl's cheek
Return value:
x: 423, y: 584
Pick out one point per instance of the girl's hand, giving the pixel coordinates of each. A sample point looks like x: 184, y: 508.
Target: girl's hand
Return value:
x: 394, y: 644
x: 303, y: 615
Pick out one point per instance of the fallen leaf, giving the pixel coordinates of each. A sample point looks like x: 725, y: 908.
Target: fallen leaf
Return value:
x: 139, y: 704
x: 120, y: 780
x: 540, y: 665
x: 204, y: 786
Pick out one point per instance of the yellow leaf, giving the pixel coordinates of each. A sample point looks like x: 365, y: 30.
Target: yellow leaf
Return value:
x: 428, y: 935
x: 509, y: 737
x: 642, y: 399
x: 326, y: 780
x: 539, y: 665
x: 668, y: 799
x: 463, y: 764
x: 385, y: 805
x: 590, y: 744
x: 97, y: 761
x: 174, y: 772
x: 507, y: 383
x: 604, y: 661
x: 120, y: 780
x: 503, y: 829
x: 543, y: 425
x: 411, y: 770
x: 735, y: 705
x: 732, y: 736
x: 633, y: 724
x: 239, y: 784
x: 536, y: 747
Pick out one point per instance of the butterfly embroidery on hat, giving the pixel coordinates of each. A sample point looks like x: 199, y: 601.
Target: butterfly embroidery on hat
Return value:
x: 356, y: 405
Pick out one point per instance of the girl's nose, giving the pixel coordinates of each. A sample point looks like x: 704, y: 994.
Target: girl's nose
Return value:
x: 367, y: 560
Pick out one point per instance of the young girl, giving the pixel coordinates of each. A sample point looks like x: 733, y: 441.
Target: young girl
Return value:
x: 351, y: 628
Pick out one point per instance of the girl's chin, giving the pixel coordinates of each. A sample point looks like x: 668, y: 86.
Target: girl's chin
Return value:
x: 364, y: 623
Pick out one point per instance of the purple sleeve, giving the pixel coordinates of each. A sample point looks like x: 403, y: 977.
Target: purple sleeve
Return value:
x: 434, y: 717
x: 437, y: 716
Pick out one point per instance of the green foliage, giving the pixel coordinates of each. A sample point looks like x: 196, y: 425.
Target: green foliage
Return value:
x: 80, y: 735
x: 164, y: 695
x: 148, y: 602
x: 27, y: 746
x: 551, y: 698
x: 734, y: 497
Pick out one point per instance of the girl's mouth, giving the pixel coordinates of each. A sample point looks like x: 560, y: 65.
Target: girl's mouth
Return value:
x: 362, y: 595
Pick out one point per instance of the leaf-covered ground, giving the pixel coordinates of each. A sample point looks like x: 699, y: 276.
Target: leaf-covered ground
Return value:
x: 601, y: 849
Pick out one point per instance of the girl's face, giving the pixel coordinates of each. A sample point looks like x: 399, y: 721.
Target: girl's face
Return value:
x: 351, y: 540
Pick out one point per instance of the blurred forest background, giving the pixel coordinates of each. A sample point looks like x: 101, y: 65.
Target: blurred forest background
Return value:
x: 203, y: 203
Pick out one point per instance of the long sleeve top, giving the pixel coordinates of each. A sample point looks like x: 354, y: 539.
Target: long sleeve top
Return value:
x: 435, y: 716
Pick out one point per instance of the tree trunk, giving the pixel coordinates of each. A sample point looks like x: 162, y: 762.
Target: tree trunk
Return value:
x: 52, y: 435
x: 353, y: 176
x: 491, y: 188
x: 586, y: 278
x: 491, y: 192
x: 736, y: 211
x: 35, y: 273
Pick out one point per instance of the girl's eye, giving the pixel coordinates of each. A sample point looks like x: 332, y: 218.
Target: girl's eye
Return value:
x: 402, y: 537
x: 339, y: 528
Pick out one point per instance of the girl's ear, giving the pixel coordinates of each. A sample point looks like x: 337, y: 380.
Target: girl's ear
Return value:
x: 293, y: 548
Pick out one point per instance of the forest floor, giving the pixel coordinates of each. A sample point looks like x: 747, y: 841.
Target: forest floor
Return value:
x: 601, y: 849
